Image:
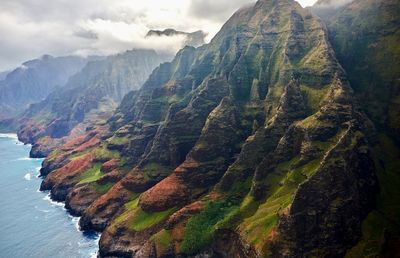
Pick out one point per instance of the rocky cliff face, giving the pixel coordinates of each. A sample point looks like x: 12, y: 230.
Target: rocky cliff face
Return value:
x: 89, y: 97
x: 364, y: 36
x: 252, y: 145
x: 34, y: 80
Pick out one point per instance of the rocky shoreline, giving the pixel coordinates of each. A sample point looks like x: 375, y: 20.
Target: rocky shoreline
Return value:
x: 252, y: 145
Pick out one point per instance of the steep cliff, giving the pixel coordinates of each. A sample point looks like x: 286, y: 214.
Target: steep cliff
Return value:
x: 89, y: 97
x: 34, y: 80
x: 251, y: 145
x: 365, y: 36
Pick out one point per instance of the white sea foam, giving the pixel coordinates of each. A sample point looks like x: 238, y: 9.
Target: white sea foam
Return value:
x: 75, y: 220
x: 45, y: 211
x: 27, y: 158
x: 27, y: 176
x: 8, y: 135
x: 48, y: 198
x: 94, y: 254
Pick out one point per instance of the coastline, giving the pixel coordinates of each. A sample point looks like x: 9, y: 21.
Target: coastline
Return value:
x: 94, y: 236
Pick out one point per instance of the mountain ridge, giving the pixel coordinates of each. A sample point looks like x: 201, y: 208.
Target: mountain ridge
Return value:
x: 34, y: 80
x: 90, y: 95
x: 267, y: 87
x: 254, y: 145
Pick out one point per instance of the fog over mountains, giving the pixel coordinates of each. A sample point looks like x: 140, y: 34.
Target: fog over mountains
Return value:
x: 103, y: 27
x: 222, y: 129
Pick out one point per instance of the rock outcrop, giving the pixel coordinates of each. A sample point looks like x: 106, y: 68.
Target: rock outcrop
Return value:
x: 253, y: 145
x: 363, y: 35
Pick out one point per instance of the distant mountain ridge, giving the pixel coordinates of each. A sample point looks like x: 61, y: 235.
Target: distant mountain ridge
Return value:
x: 328, y: 8
x: 250, y: 146
x: 98, y: 87
x: 279, y: 138
x: 3, y: 75
x: 193, y: 39
x: 35, y: 79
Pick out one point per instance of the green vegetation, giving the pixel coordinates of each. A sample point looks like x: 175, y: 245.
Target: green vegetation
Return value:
x: 80, y: 154
x: 103, y: 188
x: 54, y: 154
x: 313, y: 97
x: 103, y: 153
x: 155, y: 169
x: 137, y: 218
x: 200, y: 229
x: 44, y: 118
x: 254, y: 219
x: 259, y: 218
x: 281, y: 185
x: 91, y: 174
x: 162, y: 240
x: 118, y: 140
x: 142, y: 220
x: 129, y: 207
x: 313, y: 122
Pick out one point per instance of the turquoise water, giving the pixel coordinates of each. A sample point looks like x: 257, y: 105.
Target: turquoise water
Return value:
x: 30, y: 224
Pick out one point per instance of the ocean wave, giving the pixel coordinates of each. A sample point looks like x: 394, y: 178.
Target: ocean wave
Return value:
x: 27, y: 176
x: 75, y: 220
x: 45, y: 211
x: 93, y: 255
x: 8, y: 135
x: 27, y: 158
x: 48, y: 198
x: 24, y: 158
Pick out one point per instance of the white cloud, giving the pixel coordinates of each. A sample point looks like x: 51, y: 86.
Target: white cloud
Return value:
x: 306, y: 3
x: 32, y: 28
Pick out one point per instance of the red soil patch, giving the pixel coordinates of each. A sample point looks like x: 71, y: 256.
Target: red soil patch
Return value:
x: 135, y: 181
x: 75, y: 141
x: 110, y: 165
x: 72, y: 168
x: 164, y: 195
x: 214, y: 195
x: 111, y: 177
x: 107, y: 205
x: 188, y: 164
x: 184, y: 213
x: 87, y: 145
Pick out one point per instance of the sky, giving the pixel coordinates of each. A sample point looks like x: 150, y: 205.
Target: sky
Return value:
x: 31, y: 28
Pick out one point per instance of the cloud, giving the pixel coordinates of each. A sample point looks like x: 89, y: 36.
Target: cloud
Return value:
x: 306, y: 3
x: 86, y: 34
x: 115, y: 36
x: 32, y: 28
x: 333, y: 4
x: 216, y: 10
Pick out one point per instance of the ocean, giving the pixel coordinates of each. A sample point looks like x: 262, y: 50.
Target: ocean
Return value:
x: 31, y: 225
